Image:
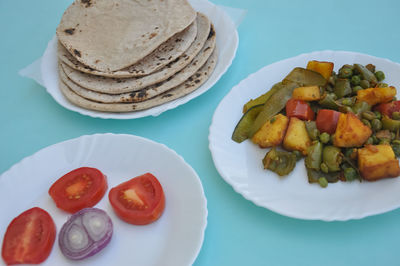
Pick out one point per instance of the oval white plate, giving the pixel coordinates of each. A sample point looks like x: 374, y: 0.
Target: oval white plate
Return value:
x: 227, y: 43
x: 174, y: 239
x: 241, y: 166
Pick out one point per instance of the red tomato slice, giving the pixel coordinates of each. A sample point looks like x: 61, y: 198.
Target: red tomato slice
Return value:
x: 138, y: 201
x: 388, y: 108
x: 29, y: 238
x: 79, y: 189
x: 299, y: 109
x: 327, y: 120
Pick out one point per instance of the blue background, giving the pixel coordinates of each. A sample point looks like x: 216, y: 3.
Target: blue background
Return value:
x: 238, y: 232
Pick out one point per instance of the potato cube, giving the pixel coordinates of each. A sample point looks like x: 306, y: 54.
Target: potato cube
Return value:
x: 272, y: 132
x: 324, y: 68
x: 376, y: 95
x: 377, y: 162
x: 296, y: 137
x: 350, y: 131
x: 308, y: 93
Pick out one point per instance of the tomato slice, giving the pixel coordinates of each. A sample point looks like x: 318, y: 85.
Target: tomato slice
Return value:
x: 78, y: 189
x: 388, y: 108
x: 300, y: 109
x: 29, y: 238
x: 138, y: 201
x: 327, y: 120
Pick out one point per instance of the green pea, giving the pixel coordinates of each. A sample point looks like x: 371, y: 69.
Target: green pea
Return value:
x: 378, y: 115
x: 324, y: 137
x: 348, y: 152
x: 350, y: 174
x: 345, y: 72
x: 355, y: 80
x: 366, y: 122
x: 396, y: 115
x: 396, y: 149
x: 324, y: 168
x: 364, y: 84
x: 368, y: 115
x: 356, y: 88
x: 347, y: 102
x: 323, y: 182
x: 376, y: 124
x: 375, y: 139
x: 379, y: 75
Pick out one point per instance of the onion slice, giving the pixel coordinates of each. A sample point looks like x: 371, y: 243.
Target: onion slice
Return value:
x: 85, y: 233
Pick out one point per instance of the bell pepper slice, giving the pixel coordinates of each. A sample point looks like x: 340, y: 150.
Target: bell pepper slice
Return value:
x: 299, y: 109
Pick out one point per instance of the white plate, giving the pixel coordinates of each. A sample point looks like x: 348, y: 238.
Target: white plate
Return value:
x: 174, y: 239
x: 227, y: 43
x: 240, y: 164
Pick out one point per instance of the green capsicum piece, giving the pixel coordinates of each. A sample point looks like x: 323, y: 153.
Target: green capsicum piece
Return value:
x: 261, y: 99
x: 329, y: 101
x: 242, y: 128
x: 280, y: 162
x: 332, y: 157
x: 305, y: 77
x: 314, y: 156
x: 342, y: 88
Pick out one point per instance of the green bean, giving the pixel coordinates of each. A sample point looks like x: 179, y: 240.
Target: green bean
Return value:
x: 328, y: 101
x: 332, y: 157
x: 347, y: 101
x: 366, y: 75
x: 314, y: 156
x: 342, y: 88
x: 312, y: 130
x: 350, y: 174
x: 384, y: 142
x: 376, y: 124
x: 369, y: 115
x: 324, y: 138
x: 379, y: 75
x: 366, y: 122
x: 360, y: 107
x: 364, y: 84
x: 324, y: 168
x: 323, y: 182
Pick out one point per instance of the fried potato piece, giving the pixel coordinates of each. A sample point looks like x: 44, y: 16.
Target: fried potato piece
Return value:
x: 350, y: 131
x: 377, y: 161
x: 296, y: 137
x: 324, y: 68
x: 272, y: 132
x: 376, y: 95
x: 308, y: 93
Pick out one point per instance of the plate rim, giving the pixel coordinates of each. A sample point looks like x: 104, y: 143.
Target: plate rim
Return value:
x: 202, y: 197
x: 257, y: 202
x: 156, y: 110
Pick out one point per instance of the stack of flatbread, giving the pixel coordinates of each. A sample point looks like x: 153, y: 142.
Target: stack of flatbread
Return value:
x: 130, y: 55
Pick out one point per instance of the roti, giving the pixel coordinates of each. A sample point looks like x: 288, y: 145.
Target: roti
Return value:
x: 109, y: 35
x: 193, y: 83
x: 148, y: 92
x: 165, y: 54
x: 120, y: 85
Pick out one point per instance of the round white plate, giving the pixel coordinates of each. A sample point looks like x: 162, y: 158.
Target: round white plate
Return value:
x: 227, y: 43
x: 241, y: 166
x: 174, y: 239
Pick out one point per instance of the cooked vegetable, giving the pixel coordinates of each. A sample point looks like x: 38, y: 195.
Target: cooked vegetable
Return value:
x: 308, y: 93
x: 324, y: 68
x: 377, y: 162
x: 299, y: 109
x: 280, y: 162
x: 272, y: 132
x: 314, y: 156
x: 342, y: 88
x: 390, y: 124
x: 327, y: 120
x: 78, y: 189
x: 274, y: 105
x: 376, y: 95
x: 139, y: 200
x: 242, y: 128
x: 350, y: 131
x: 85, y: 233
x: 296, y: 137
x: 329, y: 101
x: 29, y: 238
x: 261, y: 99
x: 312, y: 130
x: 388, y: 108
x: 305, y: 77
x: 366, y: 74
x: 332, y: 158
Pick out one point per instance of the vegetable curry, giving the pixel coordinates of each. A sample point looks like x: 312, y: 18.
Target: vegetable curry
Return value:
x: 345, y: 125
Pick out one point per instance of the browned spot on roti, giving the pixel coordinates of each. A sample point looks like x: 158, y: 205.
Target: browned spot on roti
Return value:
x: 212, y: 33
x: 69, y: 31
x: 152, y: 35
x: 97, y: 61
x: 86, y: 3
x: 167, y: 95
x: 197, y: 81
x: 77, y: 53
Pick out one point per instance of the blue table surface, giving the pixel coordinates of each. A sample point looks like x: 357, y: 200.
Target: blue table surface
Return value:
x: 238, y: 232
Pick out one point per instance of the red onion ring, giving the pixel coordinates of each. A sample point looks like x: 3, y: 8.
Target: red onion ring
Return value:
x: 85, y: 233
